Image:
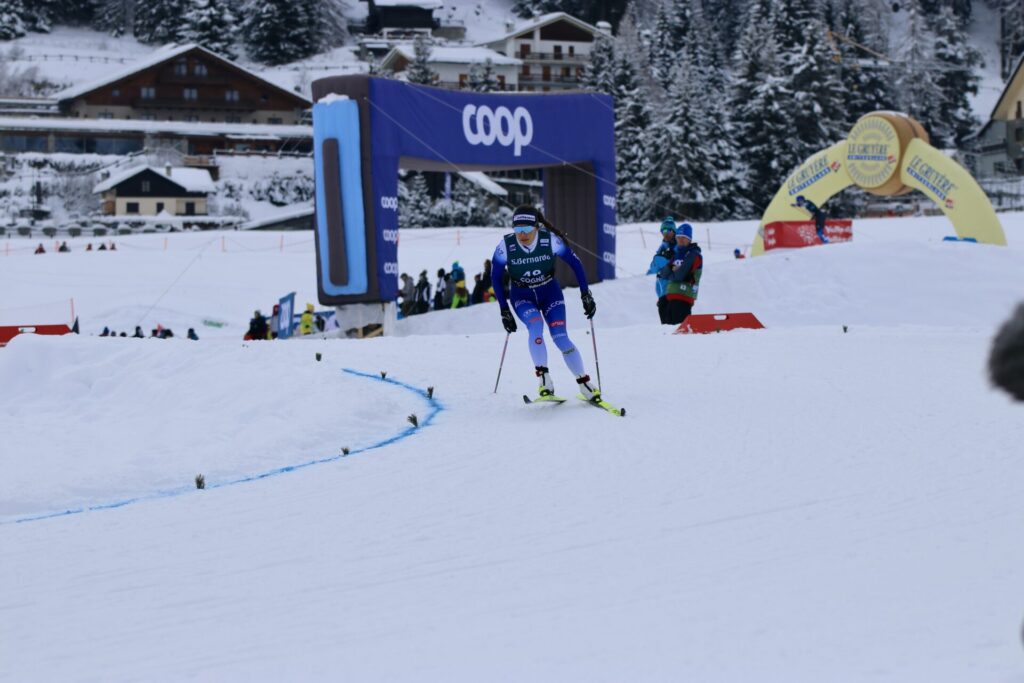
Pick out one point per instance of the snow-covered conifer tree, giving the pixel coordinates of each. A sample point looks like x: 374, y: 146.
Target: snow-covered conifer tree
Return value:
x: 212, y: 24
x: 159, y: 21
x: 414, y: 202
x: 482, y: 77
x: 11, y: 23
x: 597, y: 74
x: 917, y: 90
x: 419, y: 70
x: 279, y: 31
x: 957, y: 78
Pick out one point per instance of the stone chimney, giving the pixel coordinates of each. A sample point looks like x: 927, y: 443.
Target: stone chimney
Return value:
x: 167, y: 170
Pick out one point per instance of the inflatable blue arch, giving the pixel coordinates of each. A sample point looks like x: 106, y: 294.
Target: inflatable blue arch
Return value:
x: 364, y: 128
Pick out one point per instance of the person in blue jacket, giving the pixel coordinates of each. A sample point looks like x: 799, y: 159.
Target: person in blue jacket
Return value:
x: 660, y: 260
x: 816, y: 213
x: 529, y: 255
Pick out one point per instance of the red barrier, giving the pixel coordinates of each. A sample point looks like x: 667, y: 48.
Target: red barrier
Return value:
x: 718, y: 322
x: 9, y: 332
x: 796, y: 234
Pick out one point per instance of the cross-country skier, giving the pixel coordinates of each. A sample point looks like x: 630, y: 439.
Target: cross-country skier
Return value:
x: 529, y: 254
x: 816, y: 213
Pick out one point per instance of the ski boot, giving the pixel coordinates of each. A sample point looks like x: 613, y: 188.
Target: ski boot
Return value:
x: 547, y: 387
x: 588, y: 390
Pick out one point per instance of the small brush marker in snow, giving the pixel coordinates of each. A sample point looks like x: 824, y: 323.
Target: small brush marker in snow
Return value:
x: 344, y: 451
x: 383, y: 374
x: 430, y: 392
x: 844, y: 329
x: 413, y: 420
x: 318, y: 356
x: 200, y: 481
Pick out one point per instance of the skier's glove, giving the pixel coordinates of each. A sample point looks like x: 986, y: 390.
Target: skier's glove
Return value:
x: 508, y: 321
x: 589, y: 306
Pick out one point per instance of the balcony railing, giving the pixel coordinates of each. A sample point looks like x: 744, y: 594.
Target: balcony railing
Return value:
x: 181, y: 103
x: 553, y: 57
x: 552, y: 78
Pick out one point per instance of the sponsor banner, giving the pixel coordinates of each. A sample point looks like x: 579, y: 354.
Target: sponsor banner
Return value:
x: 953, y: 189
x: 798, y: 234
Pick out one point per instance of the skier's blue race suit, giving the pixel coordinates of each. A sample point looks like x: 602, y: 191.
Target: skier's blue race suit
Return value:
x: 537, y: 297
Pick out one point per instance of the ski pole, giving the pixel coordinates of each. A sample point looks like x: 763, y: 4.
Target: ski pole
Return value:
x: 597, y: 365
x: 502, y: 363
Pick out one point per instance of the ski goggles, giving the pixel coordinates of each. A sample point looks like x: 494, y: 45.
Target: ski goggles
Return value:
x: 523, y: 229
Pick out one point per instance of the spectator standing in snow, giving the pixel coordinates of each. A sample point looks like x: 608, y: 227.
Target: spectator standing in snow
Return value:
x: 737, y: 254
x: 192, y: 334
x: 683, y: 273
x: 103, y: 247
x: 666, y: 248
x: 477, y: 297
x: 64, y: 249
x: 40, y: 249
x: 257, y: 327
x: 422, y: 294
x: 816, y: 213
x: 306, y: 320
x: 138, y: 333
x: 458, y: 275
x: 442, y: 291
x: 407, y: 293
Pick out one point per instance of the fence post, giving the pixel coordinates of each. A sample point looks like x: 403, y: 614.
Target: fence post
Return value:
x: 643, y: 240
x: 165, y: 244
x: 223, y: 244
x: 709, y: 238
x: 282, y: 244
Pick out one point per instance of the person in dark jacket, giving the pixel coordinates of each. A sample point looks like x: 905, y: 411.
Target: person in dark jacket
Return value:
x: 661, y: 258
x: 138, y: 333
x: 40, y: 249
x: 442, y: 291
x: 477, y: 297
x: 192, y: 334
x: 257, y: 326
x: 422, y: 294
x: 683, y: 273
x: 64, y: 248
x: 816, y: 213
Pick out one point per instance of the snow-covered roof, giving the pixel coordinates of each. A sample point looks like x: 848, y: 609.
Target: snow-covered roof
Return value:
x: 544, y: 20
x: 188, y: 179
x: 191, y: 128
x: 452, y: 55
x: 1010, y: 84
x: 480, y: 178
x: 160, y: 56
x: 422, y: 4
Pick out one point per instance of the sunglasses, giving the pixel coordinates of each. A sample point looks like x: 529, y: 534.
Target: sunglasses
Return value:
x: 522, y: 229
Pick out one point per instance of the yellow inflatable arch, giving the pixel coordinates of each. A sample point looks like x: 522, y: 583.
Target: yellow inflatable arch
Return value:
x: 887, y: 154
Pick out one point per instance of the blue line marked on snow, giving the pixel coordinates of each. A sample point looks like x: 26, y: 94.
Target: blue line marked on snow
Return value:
x: 435, y: 408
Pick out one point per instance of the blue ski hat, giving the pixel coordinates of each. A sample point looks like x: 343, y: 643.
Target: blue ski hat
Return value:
x: 800, y: 199
x: 685, y: 230
x: 668, y: 225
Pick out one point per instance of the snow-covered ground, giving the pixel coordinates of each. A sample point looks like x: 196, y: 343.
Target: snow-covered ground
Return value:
x: 797, y: 503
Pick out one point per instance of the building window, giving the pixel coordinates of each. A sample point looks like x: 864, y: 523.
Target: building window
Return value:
x: 462, y: 80
x: 501, y: 81
x: 572, y: 50
x: 181, y: 68
x: 233, y: 119
x: 524, y: 50
x: 192, y: 119
x: 116, y: 92
x: 147, y: 92
x: 275, y: 120
x: 545, y: 73
x: 526, y: 69
x: 1018, y: 134
x: 159, y: 207
x: 565, y: 73
x: 104, y: 115
x: 231, y: 95
x: 1019, y: 109
x: 147, y: 186
x: 131, y: 207
x: 190, y: 94
x: 558, y: 51
x: 200, y: 69
x: 190, y: 208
